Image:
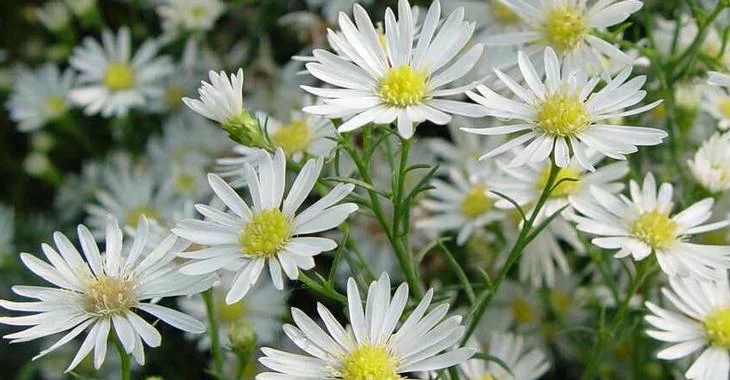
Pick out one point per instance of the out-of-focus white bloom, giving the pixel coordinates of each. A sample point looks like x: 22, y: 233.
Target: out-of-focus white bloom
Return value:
x: 39, y: 96
x: 331, y: 9
x: 544, y: 259
x: 702, y: 323
x: 522, y: 360
x: 464, y: 205
x: 718, y: 79
x: 711, y: 163
x: 524, y: 184
x: 464, y: 149
x: 670, y: 43
x: 272, y: 232
x: 567, y: 26
x: 716, y: 102
x: 395, y: 77
x: 103, y: 292
x: 111, y: 81
x: 642, y: 225
x: 190, y: 15
x: 130, y: 192
x: 54, y: 15
x: 303, y: 134
x: 37, y: 164
x: 264, y: 307
x: 492, y: 17
x: 81, y: 7
x: 563, y: 116
x: 7, y: 230
x: 372, y: 348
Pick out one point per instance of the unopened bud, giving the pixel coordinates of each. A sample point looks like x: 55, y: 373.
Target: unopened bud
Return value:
x: 246, y: 130
x: 242, y: 338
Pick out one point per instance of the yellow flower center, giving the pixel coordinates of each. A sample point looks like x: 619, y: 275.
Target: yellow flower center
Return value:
x: 197, y: 11
x: 476, y: 202
x: 231, y: 313
x: 565, y: 28
x: 137, y: 213
x: 522, y: 311
x: 106, y: 295
x: 118, y: 76
x: 55, y: 104
x: 569, y: 177
x: 266, y: 233
x: 724, y: 108
x: 173, y: 96
x: 402, y: 87
x: 293, y: 137
x: 717, y: 328
x: 560, y: 301
x: 655, y: 228
x: 488, y: 376
x: 185, y: 183
x: 503, y: 13
x: 369, y: 363
x: 562, y: 115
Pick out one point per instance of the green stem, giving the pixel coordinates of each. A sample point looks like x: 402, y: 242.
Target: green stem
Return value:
x: 523, y: 239
x: 606, y: 336
x: 215, y: 344
x: 126, y: 364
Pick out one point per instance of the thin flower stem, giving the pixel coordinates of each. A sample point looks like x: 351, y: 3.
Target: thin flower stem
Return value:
x: 606, y: 336
x: 126, y: 364
x: 215, y: 345
x: 523, y: 239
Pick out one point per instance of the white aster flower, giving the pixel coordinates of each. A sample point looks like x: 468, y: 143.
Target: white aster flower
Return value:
x: 103, y: 293
x: 304, y: 134
x: 642, y: 225
x: 111, y: 81
x: 129, y: 193
x: 716, y: 102
x: 567, y: 26
x: 544, y: 258
x: 464, y: 149
x: 564, y: 116
x: 189, y: 15
x: 701, y: 323
x: 271, y: 232
x: 39, y: 96
x: 221, y: 99
x: 465, y: 205
x: 523, y: 361
x: 395, y: 76
x: 711, y: 163
x: 371, y: 347
x: 524, y: 184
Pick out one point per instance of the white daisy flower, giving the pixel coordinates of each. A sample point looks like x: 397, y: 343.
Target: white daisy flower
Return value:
x: 491, y: 17
x: 264, y: 307
x: 39, y: 97
x: 272, y: 232
x: 564, y: 116
x: 642, y: 225
x: 397, y: 77
x: 701, y: 323
x: 103, y: 292
x: 371, y: 347
x: 465, y: 205
x: 303, y: 135
x: 525, y: 184
x: 716, y: 102
x: 711, y: 164
x: 522, y: 360
x: 190, y: 15
x: 129, y: 193
x: 110, y: 82
x: 567, y: 26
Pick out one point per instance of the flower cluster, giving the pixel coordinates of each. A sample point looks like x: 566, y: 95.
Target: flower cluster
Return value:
x: 460, y: 189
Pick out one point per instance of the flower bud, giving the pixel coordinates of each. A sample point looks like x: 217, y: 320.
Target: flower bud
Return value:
x: 242, y: 338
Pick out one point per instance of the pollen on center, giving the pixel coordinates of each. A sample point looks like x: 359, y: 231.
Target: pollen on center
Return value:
x: 402, y: 87
x: 266, y: 233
